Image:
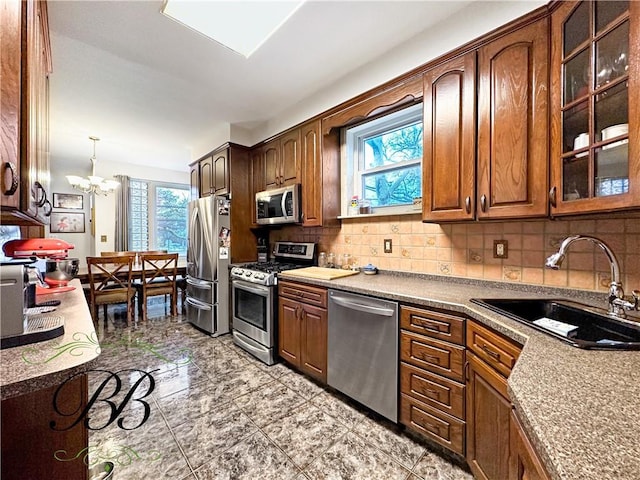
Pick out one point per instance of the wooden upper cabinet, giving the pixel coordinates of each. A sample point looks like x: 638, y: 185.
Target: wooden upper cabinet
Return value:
x: 271, y: 162
x: 221, y: 173
x: 24, y: 94
x: 311, y: 174
x: 595, y: 107
x: 206, y: 176
x: 290, y: 157
x: 513, y: 124
x: 194, y: 180
x: 282, y: 160
x: 449, y: 140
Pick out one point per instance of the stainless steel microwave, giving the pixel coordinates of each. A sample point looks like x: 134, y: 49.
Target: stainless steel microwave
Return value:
x: 281, y: 205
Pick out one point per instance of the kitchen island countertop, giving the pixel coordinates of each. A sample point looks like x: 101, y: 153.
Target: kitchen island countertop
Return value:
x: 578, y: 407
x: 32, y: 367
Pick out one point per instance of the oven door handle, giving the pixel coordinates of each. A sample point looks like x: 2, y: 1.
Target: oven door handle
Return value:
x: 257, y: 290
x: 197, y: 304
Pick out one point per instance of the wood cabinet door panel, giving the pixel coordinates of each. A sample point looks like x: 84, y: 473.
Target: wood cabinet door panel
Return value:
x: 194, y: 180
x: 443, y: 326
x: 290, y: 156
x: 431, y: 389
x: 206, y: 177
x: 488, y: 411
x: 220, y: 173
x: 271, y: 176
x: 513, y: 124
x: 433, y: 424
x: 30, y: 445
x: 311, y: 175
x: 524, y: 463
x: 10, y: 91
x: 289, y: 330
x: 313, y: 353
x: 433, y: 355
x: 449, y: 140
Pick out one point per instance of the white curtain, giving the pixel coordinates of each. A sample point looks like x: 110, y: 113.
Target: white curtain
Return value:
x: 122, y: 214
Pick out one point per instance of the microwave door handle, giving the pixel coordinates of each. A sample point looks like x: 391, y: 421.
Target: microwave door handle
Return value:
x: 283, y: 204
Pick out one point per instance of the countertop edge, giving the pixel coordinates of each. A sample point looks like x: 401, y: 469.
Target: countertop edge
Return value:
x: 53, y: 361
x: 541, y: 430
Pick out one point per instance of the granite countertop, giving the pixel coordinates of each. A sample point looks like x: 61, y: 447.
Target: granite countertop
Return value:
x: 40, y: 365
x: 578, y: 407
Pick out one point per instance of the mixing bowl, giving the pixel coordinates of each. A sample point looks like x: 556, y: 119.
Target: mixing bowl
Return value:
x: 59, y: 272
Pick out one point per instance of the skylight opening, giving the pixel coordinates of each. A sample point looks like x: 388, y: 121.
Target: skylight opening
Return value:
x: 242, y: 26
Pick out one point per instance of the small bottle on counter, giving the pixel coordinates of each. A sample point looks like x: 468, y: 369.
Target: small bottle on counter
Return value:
x: 331, y: 260
x: 346, y: 261
x: 322, y: 259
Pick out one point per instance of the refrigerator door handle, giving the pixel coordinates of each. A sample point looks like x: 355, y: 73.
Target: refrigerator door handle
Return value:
x: 192, y: 258
x: 202, y: 285
x: 199, y: 305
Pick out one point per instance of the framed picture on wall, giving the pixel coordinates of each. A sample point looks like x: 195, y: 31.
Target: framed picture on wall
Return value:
x: 66, y: 222
x: 70, y: 201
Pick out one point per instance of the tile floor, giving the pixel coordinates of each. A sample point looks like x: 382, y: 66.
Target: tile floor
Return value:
x: 217, y: 413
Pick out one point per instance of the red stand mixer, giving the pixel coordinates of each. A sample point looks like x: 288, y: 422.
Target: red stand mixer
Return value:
x: 59, y: 269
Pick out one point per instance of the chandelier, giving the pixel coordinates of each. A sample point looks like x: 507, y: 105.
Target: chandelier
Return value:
x: 93, y: 184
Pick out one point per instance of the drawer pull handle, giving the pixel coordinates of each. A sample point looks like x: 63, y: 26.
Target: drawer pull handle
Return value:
x: 483, y: 203
x: 429, y: 326
x: 467, y: 204
x: 490, y: 352
x: 430, y: 358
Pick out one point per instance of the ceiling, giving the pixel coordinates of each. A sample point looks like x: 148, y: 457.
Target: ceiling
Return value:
x: 153, y: 90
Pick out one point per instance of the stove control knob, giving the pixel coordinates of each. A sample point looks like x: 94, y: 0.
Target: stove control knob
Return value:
x: 248, y: 273
x: 259, y: 276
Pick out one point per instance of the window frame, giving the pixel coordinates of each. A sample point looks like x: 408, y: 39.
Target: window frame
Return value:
x: 352, y: 142
x: 152, y: 187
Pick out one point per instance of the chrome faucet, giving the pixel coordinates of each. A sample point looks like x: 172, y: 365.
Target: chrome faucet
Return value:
x: 617, y: 303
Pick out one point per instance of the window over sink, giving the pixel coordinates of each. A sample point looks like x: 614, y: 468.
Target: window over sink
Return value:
x: 158, y: 216
x: 382, y: 159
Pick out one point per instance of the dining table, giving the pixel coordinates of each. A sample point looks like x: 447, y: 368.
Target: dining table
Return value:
x: 136, y: 274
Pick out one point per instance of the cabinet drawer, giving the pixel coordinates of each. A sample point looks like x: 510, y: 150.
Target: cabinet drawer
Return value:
x: 491, y: 347
x: 443, y: 326
x: 431, y: 423
x: 434, y: 390
x: 304, y: 293
x: 433, y: 355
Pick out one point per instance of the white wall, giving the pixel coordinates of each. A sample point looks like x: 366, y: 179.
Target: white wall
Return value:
x: 468, y: 24
x: 105, y: 210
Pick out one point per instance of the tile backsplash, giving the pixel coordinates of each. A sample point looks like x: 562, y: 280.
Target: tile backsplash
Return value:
x: 466, y: 250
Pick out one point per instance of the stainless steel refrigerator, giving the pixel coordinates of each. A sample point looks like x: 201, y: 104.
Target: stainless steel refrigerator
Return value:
x: 208, y: 264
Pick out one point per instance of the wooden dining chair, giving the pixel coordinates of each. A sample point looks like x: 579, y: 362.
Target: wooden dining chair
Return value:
x: 159, y: 276
x: 110, y: 282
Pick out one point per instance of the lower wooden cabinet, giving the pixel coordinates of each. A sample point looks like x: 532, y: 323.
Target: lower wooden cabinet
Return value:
x: 490, y: 358
x: 432, y: 390
x: 524, y: 463
x: 488, y: 411
x: 30, y: 445
x: 302, y: 328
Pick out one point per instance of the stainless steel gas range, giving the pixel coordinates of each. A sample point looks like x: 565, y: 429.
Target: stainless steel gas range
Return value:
x: 254, y: 298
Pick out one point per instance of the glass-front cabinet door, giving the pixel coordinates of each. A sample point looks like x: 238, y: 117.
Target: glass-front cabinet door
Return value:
x: 595, y: 112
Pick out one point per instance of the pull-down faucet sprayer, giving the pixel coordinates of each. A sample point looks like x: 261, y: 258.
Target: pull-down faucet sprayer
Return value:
x: 616, y: 300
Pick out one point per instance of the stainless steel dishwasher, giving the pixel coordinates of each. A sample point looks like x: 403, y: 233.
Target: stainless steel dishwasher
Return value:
x: 362, y: 349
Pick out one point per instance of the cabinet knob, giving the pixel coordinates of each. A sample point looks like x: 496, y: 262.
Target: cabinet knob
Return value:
x: 467, y: 204
x: 13, y: 184
x: 552, y: 196
x: 483, y: 203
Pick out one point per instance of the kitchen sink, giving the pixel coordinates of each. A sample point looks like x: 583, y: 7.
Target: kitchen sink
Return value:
x: 577, y: 324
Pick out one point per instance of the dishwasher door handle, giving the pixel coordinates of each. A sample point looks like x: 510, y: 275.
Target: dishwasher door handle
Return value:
x: 343, y: 302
